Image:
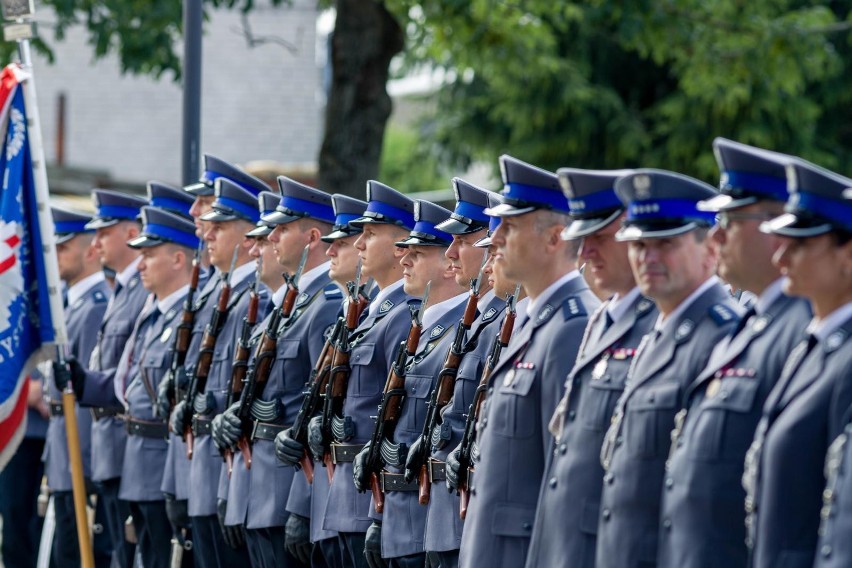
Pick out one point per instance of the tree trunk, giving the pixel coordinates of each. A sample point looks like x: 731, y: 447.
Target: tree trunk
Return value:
x: 366, y: 37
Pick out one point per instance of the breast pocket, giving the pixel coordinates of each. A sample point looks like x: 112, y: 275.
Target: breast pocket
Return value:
x: 116, y: 334
x: 597, y: 403
x: 650, y: 419
x: 466, y: 381
x: 514, y: 406
x: 219, y: 379
x: 287, y: 351
x: 155, y: 365
x: 365, y: 380
x: 725, y: 422
x: 417, y: 390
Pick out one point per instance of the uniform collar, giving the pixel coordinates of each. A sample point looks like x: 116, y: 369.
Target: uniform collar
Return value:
x: 383, y: 295
x: 77, y: 291
x: 278, y: 296
x: 169, y: 301
x: 241, y: 273
x: 534, y: 305
x: 772, y: 293
x: 822, y: 328
x: 484, y: 300
x: 662, y: 324
x: 129, y: 272
x: 311, y: 275
x: 619, y: 305
x: 435, y: 312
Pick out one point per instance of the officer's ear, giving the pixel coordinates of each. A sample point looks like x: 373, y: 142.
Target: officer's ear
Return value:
x: 132, y: 230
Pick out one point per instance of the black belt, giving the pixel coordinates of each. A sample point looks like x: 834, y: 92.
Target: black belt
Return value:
x: 104, y: 412
x: 56, y: 408
x: 147, y: 429
x: 266, y: 431
x: 201, y: 426
x: 345, y: 453
x: 437, y: 470
x: 397, y: 482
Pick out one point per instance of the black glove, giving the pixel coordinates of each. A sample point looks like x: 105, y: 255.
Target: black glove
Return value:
x: 164, y: 394
x: 288, y: 450
x: 226, y: 428
x: 413, y: 463
x: 452, y: 468
x: 359, y: 470
x: 178, y: 512
x: 71, y: 372
x: 177, y: 420
x: 373, y: 546
x: 297, y: 538
x: 234, y: 535
x: 315, y: 438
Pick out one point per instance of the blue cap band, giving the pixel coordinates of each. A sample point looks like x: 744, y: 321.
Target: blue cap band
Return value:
x: 170, y: 234
x: 599, y: 201
x: 246, y: 211
x: 171, y: 203
x: 471, y: 211
x: 117, y: 212
x: 650, y: 210
x: 308, y: 208
x: 535, y: 195
x: 427, y: 228
x: 493, y: 223
x: 344, y: 218
x: 209, y: 176
x: 67, y: 227
x: 394, y: 213
x: 837, y: 211
x: 764, y: 185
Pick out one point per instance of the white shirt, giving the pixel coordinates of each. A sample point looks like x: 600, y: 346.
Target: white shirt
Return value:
x: 241, y: 272
x: 822, y: 328
x: 125, y: 275
x: 79, y: 289
x: 169, y: 301
x: 534, y: 305
x: 435, y: 312
x: 383, y: 295
x: 619, y: 306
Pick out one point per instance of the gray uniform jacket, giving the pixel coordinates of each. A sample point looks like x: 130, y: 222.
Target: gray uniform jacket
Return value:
x: 82, y: 320
x: 801, y: 417
x: 638, y: 441
x: 374, y: 346
x: 108, y: 434
x: 513, y: 438
x: 176, y: 471
x: 443, y: 524
x: 703, y: 496
x: 206, y: 465
x: 566, y: 535
x: 144, y: 456
x: 404, y: 516
x: 260, y: 494
x: 835, y: 546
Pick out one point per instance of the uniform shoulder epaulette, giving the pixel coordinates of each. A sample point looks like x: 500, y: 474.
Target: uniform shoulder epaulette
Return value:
x: 572, y: 307
x: 722, y: 314
x: 99, y: 297
x: 332, y: 291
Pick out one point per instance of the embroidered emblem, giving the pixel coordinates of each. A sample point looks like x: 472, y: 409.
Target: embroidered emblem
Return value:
x: 760, y: 324
x: 489, y: 314
x: 684, y: 330
x: 303, y: 297
x: 171, y: 313
x: 133, y: 282
x: 545, y: 313
x: 644, y: 305
x: 386, y: 306
x: 642, y: 185
x: 436, y: 331
x: 834, y: 340
x: 78, y: 303
x: 166, y: 334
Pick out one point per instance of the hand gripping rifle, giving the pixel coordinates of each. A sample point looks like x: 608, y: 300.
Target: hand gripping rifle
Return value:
x: 264, y: 358
x: 239, y: 369
x: 183, y: 333
x: 198, y: 384
x: 338, y: 381
x: 446, y: 384
x: 500, y: 343
x: 392, y: 398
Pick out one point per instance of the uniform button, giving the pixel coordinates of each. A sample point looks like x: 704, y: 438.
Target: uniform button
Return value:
x: 669, y: 483
x: 605, y: 514
x: 485, y: 422
x: 552, y: 483
x: 571, y: 414
x: 825, y: 550
x: 667, y: 524
x: 609, y: 478
x: 563, y: 448
x: 618, y: 441
x: 527, y: 526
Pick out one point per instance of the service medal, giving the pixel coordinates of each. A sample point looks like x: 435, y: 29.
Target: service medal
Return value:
x: 600, y: 368
x: 713, y: 387
x: 166, y: 334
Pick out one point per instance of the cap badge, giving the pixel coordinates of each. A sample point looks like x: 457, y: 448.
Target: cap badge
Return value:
x: 642, y: 185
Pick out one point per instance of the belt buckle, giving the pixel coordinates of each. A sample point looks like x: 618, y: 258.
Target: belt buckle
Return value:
x: 382, y: 480
x: 254, y: 429
x: 333, y: 448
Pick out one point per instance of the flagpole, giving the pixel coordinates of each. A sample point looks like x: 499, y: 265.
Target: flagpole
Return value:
x: 21, y: 30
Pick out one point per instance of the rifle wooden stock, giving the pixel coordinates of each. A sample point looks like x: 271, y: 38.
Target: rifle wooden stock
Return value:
x: 425, y: 486
x: 183, y: 335
x: 205, y: 360
x: 378, y: 494
x: 465, y: 466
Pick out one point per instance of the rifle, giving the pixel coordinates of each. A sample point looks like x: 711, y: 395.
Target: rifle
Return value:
x: 264, y: 358
x: 444, y: 387
x: 392, y: 398
x: 500, y: 343
x: 241, y: 357
x: 183, y: 333
x: 198, y: 383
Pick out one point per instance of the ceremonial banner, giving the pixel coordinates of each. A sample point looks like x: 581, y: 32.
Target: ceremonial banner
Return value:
x: 30, y: 307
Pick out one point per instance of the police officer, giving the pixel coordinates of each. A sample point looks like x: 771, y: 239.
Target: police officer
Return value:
x: 87, y: 296
x: 423, y: 263
x: 167, y: 243
x: 468, y: 224
x: 526, y: 384
x: 804, y: 413
x: 303, y: 215
x: 115, y: 223
x: 233, y: 214
x: 723, y: 405
x: 387, y: 218
x: 674, y: 263
x: 566, y: 535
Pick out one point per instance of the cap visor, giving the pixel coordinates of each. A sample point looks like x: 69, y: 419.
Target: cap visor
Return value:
x: 580, y: 228
x: 484, y: 242
x: 217, y: 215
x: 634, y: 232
x: 198, y: 189
x: 787, y: 225
x: 724, y: 203
x: 334, y: 235
x: 260, y: 231
x: 506, y: 210
x: 278, y: 218
x: 405, y: 243
x: 102, y: 223
x: 145, y: 241
x: 456, y: 227
x: 64, y: 238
